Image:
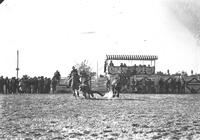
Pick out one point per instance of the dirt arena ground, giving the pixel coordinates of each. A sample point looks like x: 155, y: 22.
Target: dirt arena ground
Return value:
x: 132, y: 116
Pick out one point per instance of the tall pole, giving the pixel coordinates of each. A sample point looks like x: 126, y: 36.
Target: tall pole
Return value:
x: 17, y: 69
x: 97, y: 69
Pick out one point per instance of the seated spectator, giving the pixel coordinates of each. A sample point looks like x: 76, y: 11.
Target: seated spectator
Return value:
x: 111, y: 63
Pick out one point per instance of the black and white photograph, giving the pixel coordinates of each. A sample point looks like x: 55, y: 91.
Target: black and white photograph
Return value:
x: 99, y: 70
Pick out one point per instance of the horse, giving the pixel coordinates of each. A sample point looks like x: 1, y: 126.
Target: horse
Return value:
x: 117, y: 83
x: 75, y: 82
x: 54, y: 84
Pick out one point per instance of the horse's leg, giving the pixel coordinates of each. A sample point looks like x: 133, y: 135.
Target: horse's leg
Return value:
x: 114, y: 93
x: 84, y: 92
x: 118, y: 90
x: 113, y: 90
x: 91, y: 93
x: 74, y: 93
x: 117, y: 93
x: 77, y: 92
x: 85, y: 95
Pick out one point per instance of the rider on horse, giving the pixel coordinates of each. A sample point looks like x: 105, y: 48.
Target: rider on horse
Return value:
x: 73, y: 72
x: 74, y: 81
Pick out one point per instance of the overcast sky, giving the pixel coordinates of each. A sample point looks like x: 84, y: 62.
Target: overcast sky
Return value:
x: 55, y: 35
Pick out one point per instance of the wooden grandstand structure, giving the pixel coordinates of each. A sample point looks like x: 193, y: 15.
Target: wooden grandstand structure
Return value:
x: 136, y: 70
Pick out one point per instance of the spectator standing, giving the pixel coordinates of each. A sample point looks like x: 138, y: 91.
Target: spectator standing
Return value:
x: 1, y: 84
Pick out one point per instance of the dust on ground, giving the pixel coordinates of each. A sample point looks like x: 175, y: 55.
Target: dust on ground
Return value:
x: 132, y: 116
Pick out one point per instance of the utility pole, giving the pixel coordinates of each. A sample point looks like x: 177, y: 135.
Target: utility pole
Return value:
x: 17, y: 69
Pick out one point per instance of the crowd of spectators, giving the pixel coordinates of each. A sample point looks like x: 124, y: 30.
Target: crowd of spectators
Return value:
x: 124, y: 65
x: 28, y: 84
x: 171, y: 85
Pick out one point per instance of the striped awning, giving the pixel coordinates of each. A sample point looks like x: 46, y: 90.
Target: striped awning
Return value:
x: 131, y: 57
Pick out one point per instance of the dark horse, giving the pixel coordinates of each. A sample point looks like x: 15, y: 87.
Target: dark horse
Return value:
x: 55, y: 81
x: 75, y: 82
x: 54, y: 84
